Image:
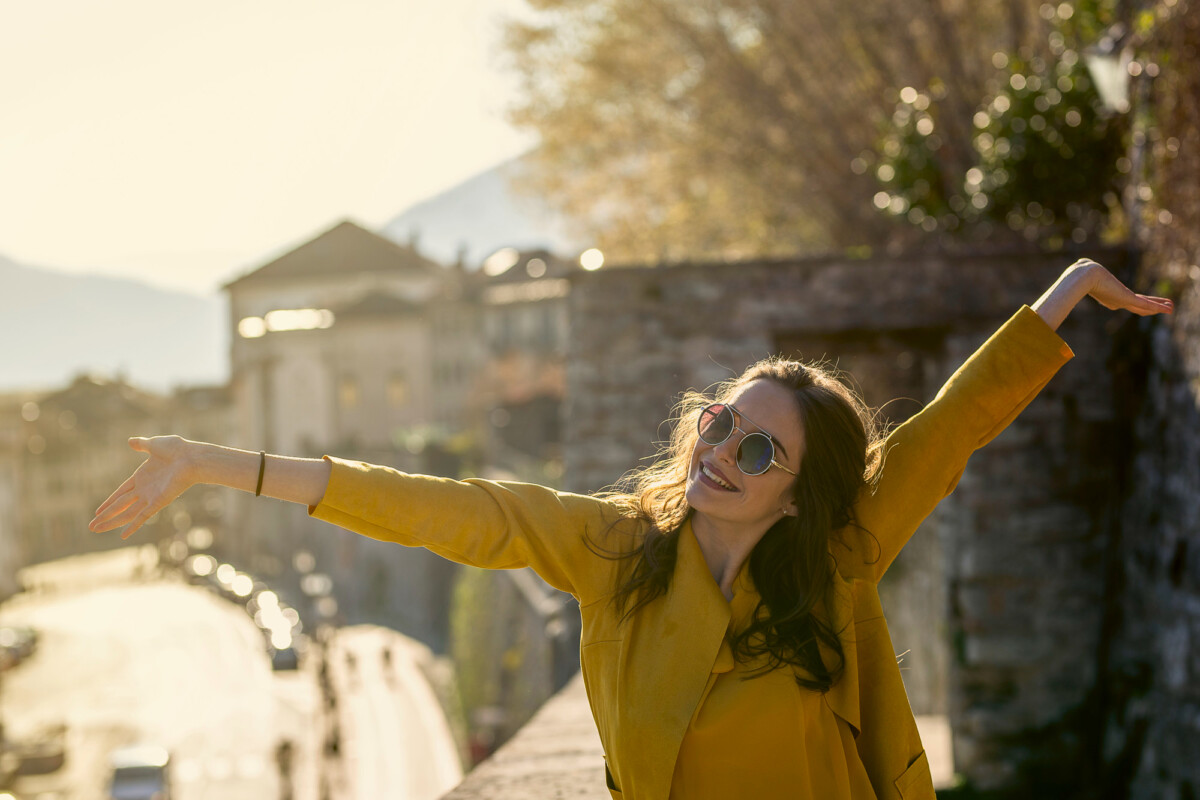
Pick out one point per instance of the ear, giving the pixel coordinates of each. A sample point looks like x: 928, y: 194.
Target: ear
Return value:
x: 790, y: 509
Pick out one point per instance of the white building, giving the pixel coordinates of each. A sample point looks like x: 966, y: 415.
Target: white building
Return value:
x: 353, y: 345
x: 330, y: 347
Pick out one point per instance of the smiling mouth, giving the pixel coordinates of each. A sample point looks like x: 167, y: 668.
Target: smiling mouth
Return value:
x: 715, y: 478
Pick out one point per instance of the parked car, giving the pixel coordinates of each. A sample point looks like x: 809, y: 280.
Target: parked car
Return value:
x: 284, y: 658
x: 16, y: 645
x: 140, y: 772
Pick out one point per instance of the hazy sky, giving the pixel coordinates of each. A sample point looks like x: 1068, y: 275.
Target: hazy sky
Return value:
x: 183, y: 143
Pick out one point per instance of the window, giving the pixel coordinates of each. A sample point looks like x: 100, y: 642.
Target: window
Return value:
x: 348, y: 394
x: 397, y: 390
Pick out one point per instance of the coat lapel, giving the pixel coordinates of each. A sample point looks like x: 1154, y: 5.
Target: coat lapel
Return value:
x: 839, y: 609
x: 676, y: 651
x: 667, y: 668
x: 843, y: 696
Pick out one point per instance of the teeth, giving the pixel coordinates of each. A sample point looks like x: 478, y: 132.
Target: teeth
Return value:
x: 715, y: 479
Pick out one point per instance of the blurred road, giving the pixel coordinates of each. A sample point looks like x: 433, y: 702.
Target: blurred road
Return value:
x: 395, y: 737
x: 127, y: 655
x: 156, y: 661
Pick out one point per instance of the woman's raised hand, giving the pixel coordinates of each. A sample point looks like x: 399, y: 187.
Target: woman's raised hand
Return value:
x: 162, y: 477
x: 1086, y: 278
x: 1105, y: 289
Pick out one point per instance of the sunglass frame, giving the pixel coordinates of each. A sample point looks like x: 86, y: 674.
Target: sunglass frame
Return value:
x: 734, y: 413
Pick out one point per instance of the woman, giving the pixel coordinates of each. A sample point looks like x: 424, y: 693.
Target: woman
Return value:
x: 733, y: 643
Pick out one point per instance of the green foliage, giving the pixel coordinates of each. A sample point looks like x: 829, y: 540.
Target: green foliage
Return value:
x: 474, y: 626
x: 495, y: 660
x: 1048, y: 158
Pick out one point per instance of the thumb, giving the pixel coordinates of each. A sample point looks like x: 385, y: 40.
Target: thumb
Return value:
x: 140, y: 443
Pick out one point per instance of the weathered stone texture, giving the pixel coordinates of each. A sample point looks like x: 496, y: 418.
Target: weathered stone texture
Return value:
x: 1152, y: 736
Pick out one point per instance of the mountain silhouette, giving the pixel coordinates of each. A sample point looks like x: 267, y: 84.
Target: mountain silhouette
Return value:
x: 56, y: 325
x: 482, y: 214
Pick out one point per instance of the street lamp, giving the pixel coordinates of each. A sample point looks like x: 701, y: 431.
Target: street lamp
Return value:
x: 1108, y: 63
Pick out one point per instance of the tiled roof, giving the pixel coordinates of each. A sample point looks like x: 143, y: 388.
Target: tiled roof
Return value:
x: 344, y: 249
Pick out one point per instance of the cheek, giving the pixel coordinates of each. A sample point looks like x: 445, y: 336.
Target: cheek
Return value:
x: 695, y: 459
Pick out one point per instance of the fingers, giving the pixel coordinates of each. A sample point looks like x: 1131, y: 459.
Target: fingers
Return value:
x: 125, y: 534
x: 134, y: 512
x: 113, y: 507
x: 1145, y: 305
x: 1112, y: 293
x: 112, y: 498
x: 135, y: 521
x: 140, y: 443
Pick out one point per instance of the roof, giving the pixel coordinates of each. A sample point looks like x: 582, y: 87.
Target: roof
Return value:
x: 96, y: 401
x: 344, y: 249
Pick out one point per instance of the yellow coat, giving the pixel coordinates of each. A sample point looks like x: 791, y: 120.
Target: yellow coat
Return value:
x: 649, y: 678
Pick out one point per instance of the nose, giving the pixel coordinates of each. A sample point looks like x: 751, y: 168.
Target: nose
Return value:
x: 726, y: 451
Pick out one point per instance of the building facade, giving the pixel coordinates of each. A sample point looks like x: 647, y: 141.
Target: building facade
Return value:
x: 356, y: 346
x: 63, y: 451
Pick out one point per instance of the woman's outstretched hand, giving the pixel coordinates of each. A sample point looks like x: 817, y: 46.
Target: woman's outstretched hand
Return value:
x: 162, y: 477
x: 1086, y: 278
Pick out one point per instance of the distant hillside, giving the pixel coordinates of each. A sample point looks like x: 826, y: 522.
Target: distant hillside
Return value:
x: 482, y: 215
x: 55, y: 325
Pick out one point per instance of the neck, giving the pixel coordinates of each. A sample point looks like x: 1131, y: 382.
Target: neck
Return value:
x: 725, y: 548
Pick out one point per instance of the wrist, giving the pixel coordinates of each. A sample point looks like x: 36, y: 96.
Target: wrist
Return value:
x: 1072, y: 285
x: 204, y: 463
x: 1081, y: 277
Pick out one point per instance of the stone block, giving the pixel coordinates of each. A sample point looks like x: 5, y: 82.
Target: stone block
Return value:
x: 1005, y: 650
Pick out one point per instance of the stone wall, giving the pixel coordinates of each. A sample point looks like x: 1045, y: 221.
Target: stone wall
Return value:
x: 1153, y: 726
x: 556, y: 755
x: 1000, y: 601
x: 514, y: 641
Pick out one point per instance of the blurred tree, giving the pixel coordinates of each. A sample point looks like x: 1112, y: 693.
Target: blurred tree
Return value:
x: 1048, y: 156
x: 730, y: 128
x: 1173, y: 194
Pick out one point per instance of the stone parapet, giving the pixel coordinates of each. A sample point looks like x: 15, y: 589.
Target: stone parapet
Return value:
x: 556, y: 755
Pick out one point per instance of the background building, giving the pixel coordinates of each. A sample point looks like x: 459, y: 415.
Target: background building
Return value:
x: 63, y: 451
x: 356, y: 346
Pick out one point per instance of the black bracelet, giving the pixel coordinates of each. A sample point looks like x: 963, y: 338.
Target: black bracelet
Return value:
x: 262, y: 467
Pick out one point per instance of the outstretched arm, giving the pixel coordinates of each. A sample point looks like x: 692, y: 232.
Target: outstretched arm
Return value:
x: 1086, y: 278
x: 175, y: 464
x: 476, y: 522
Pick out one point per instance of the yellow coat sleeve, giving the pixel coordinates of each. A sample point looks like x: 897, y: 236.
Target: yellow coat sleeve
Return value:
x: 925, y: 457
x: 479, y: 523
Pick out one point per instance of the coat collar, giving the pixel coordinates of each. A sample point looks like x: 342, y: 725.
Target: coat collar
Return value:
x: 684, y: 634
x: 843, y: 696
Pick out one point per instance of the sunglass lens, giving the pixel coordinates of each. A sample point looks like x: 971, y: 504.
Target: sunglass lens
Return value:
x: 755, y: 453
x: 716, y: 423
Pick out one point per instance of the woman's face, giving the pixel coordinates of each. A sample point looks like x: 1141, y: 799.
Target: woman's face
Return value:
x: 717, y: 489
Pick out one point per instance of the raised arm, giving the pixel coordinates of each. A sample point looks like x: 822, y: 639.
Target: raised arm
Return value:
x: 925, y: 457
x: 175, y: 464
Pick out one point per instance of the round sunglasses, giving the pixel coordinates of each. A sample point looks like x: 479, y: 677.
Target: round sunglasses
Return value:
x: 756, y: 451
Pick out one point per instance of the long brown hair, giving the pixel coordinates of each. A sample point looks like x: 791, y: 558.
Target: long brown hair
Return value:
x: 791, y: 566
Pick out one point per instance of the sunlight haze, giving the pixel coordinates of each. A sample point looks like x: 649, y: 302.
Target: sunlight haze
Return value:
x: 184, y: 144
